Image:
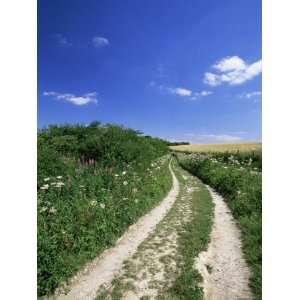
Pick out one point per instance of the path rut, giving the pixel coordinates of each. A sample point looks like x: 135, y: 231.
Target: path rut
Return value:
x: 223, y: 267
x: 104, y: 268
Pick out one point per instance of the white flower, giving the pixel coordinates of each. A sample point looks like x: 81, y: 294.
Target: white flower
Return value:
x: 47, y: 179
x: 59, y: 177
x: 125, y: 182
x: 136, y: 200
x: 124, y: 173
x: 134, y: 190
x: 52, y: 210
x: 81, y: 186
x: 59, y: 184
x: 43, y: 209
x: 102, y: 205
x: 45, y: 187
x: 116, y: 175
x: 93, y: 203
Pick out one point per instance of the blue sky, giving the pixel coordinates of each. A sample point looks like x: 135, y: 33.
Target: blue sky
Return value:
x: 181, y: 70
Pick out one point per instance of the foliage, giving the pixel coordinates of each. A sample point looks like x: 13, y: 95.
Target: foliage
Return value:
x: 93, y: 182
x: 241, y: 188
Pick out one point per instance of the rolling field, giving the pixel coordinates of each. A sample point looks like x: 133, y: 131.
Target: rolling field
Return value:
x: 205, y: 148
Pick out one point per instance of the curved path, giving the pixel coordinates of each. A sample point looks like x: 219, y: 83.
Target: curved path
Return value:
x: 104, y: 268
x: 223, y: 267
x: 144, y: 261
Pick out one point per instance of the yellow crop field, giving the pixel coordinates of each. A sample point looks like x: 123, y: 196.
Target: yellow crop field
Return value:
x: 241, y: 147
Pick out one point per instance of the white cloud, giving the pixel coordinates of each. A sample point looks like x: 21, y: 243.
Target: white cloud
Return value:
x: 181, y: 92
x: 196, y: 138
x: 62, y: 40
x: 205, y: 93
x: 211, y: 138
x: 212, y: 79
x: 76, y: 100
x: 100, y: 41
x: 252, y: 94
x: 230, y: 64
x: 232, y: 70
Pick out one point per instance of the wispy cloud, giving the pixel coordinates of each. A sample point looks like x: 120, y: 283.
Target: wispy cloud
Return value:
x: 249, y: 95
x: 206, y: 138
x: 180, y: 91
x: 62, y: 40
x: 76, y: 100
x: 183, y: 92
x: 100, y: 42
x: 205, y: 93
x: 212, y: 138
x: 232, y: 70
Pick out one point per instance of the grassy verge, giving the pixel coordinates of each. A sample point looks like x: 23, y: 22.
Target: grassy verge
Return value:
x: 241, y: 188
x: 193, y: 238
x: 93, y: 182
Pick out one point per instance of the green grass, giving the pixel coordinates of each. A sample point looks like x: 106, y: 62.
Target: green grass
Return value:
x: 241, y: 188
x: 93, y: 182
x: 193, y: 239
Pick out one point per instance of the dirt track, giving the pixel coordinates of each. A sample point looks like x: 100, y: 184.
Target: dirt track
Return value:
x: 223, y: 267
x: 143, y: 261
x: 104, y: 268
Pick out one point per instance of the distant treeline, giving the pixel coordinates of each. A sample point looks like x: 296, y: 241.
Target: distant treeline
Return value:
x: 178, y: 143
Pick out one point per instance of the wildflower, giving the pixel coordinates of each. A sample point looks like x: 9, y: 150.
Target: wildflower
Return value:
x: 116, y: 175
x: 52, y: 210
x: 124, y: 173
x: 45, y: 187
x: 125, y: 182
x: 59, y: 177
x: 93, y: 203
x: 59, y: 184
x: 102, y: 205
x: 136, y: 200
x: 43, y: 209
x: 81, y: 186
x: 125, y: 198
x: 47, y: 179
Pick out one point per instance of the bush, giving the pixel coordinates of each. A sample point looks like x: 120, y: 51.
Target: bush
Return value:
x: 93, y: 182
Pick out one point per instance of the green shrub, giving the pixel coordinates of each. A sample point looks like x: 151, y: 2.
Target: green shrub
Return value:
x: 93, y: 182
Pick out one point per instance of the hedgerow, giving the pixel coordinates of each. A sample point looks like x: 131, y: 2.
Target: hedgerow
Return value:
x: 93, y: 182
x: 241, y: 185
